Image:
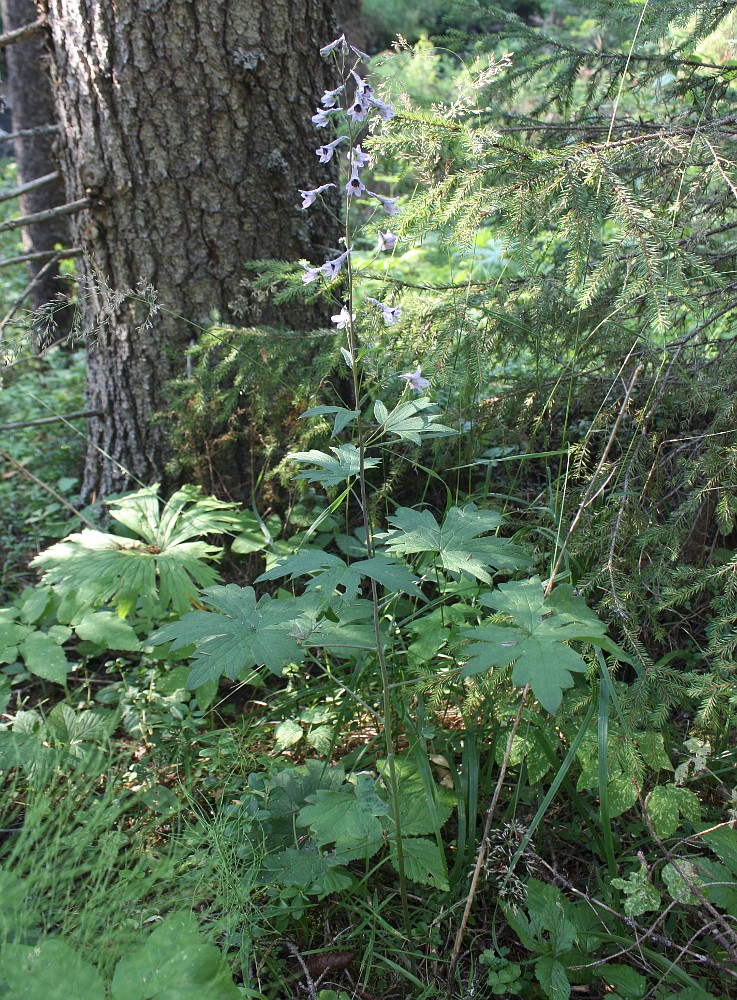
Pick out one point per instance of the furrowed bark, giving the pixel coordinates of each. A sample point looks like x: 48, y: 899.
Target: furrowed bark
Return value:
x: 188, y: 126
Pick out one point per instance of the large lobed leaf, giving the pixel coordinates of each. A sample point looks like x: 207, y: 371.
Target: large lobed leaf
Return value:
x: 456, y: 541
x: 536, y: 642
x: 240, y: 633
x: 162, y: 567
x: 331, y: 471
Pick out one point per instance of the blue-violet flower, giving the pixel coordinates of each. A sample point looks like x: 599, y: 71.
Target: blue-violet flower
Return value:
x: 416, y: 379
x: 308, y: 197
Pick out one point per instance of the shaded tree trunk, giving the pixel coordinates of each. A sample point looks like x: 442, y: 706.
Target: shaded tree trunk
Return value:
x: 188, y: 126
x: 31, y: 100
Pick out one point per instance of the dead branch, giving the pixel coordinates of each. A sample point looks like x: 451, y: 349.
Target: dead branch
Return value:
x: 33, y: 185
x: 18, y: 424
x: 49, y: 213
x: 25, y: 133
x: 42, y: 255
x: 22, y: 33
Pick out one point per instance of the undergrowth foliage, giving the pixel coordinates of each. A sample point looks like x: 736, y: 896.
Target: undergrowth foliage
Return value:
x: 480, y: 666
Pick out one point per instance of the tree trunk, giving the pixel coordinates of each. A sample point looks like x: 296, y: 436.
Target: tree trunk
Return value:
x: 188, y: 125
x: 32, y: 103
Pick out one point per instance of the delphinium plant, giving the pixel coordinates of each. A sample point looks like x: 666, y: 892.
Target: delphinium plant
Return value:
x: 415, y: 580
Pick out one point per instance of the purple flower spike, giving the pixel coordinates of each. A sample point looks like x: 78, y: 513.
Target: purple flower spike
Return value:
x: 330, y: 98
x: 387, y: 240
x: 390, y: 313
x: 322, y: 117
x: 357, y: 111
x: 357, y: 158
x: 363, y: 90
x: 416, y: 379
x: 308, y: 197
x: 386, y: 111
x: 361, y: 55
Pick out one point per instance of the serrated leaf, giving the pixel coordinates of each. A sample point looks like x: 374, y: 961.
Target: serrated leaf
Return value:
x: 415, y: 815
x: 552, y: 977
x: 343, y: 416
x: 411, y: 421
x: 250, y: 537
x: 12, y: 633
x: 44, y: 658
x: 346, y: 820
x: 380, y: 412
x: 50, y: 969
x: 627, y: 982
x: 677, y: 876
x: 330, y: 573
x: 536, y: 645
x: 286, y: 734
x: 456, y: 541
x: 423, y: 862
x: 107, y: 630
x: 662, y: 808
x: 241, y: 633
x: 723, y: 843
x: 35, y: 604
x: 315, y: 873
x: 652, y: 747
x: 622, y: 794
x: 76, y: 730
x: 332, y: 471
x: 161, y: 568
x: 174, y: 964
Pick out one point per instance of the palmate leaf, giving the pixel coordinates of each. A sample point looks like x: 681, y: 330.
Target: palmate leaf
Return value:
x: 343, y: 416
x: 163, y: 567
x: 331, y: 471
x: 410, y: 420
x: 537, y: 642
x: 315, y: 873
x: 240, y: 633
x: 456, y: 541
x: 348, y: 818
x: 330, y: 573
x: 174, y: 962
x: 423, y: 862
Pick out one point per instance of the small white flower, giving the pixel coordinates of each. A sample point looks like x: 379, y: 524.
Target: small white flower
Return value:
x: 322, y: 117
x: 387, y: 240
x: 416, y: 379
x: 339, y: 43
x: 330, y: 98
x: 357, y: 158
x: 344, y: 319
x: 325, y: 153
x: 332, y: 267
x: 355, y: 185
x: 308, y: 197
x: 388, y: 204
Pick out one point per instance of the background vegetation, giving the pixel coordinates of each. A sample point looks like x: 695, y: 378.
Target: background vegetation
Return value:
x: 433, y: 693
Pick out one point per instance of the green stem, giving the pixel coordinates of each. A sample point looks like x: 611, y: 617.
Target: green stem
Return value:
x: 385, y: 682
